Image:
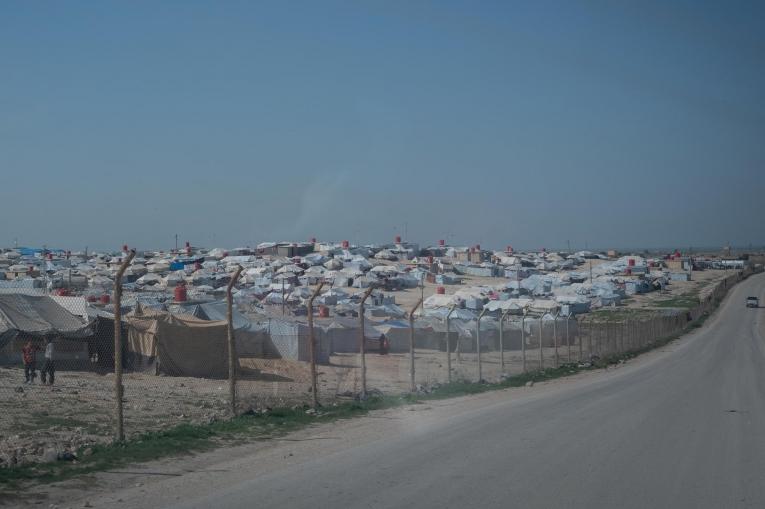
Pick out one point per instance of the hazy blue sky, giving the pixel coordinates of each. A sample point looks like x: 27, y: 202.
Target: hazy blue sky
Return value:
x: 498, y: 123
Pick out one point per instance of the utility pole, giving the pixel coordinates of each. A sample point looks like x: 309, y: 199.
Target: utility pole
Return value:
x: 283, y: 299
x: 590, y: 270
x: 176, y: 242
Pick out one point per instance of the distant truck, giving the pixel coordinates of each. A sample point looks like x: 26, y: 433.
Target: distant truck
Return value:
x: 752, y: 302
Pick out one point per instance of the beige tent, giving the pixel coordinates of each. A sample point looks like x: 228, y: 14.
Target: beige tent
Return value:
x: 177, y: 345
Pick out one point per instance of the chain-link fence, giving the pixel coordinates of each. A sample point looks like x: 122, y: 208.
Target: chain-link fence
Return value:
x: 59, y: 381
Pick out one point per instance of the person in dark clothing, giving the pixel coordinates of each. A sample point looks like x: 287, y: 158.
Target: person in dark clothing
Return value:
x: 30, y: 362
x: 384, y: 345
x: 49, y: 368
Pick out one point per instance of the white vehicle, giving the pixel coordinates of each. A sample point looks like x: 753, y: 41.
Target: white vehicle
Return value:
x: 752, y: 302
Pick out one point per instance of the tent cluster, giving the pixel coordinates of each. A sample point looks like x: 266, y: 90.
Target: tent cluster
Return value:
x: 169, y: 295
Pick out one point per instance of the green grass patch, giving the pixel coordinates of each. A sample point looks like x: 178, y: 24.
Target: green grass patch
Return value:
x: 687, y: 301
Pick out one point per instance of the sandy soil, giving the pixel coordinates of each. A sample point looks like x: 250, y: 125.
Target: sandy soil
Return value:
x: 78, y: 410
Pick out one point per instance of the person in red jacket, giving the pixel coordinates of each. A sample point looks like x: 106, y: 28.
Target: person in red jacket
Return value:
x: 29, y: 352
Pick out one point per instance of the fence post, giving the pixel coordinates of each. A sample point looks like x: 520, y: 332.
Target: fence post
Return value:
x: 541, y: 350
x: 523, y: 340
x: 119, y: 432
x: 232, y: 357
x: 502, y: 340
x: 478, y: 344
x: 568, y: 338
x: 312, y: 345
x: 448, y: 352
x: 412, y: 385
x: 363, y: 346
x: 555, y: 338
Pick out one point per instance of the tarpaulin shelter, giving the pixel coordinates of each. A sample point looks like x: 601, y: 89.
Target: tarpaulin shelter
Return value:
x: 24, y: 316
x: 177, y: 345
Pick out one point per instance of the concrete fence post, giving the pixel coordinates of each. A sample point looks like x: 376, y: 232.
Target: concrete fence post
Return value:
x: 232, y: 357
x: 312, y: 345
x: 119, y: 389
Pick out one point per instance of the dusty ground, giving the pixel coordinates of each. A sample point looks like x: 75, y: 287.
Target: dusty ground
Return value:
x: 78, y: 410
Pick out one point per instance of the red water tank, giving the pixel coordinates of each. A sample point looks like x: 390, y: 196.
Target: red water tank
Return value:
x: 313, y: 240
x: 478, y: 247
x: 63, y: 292
x: 628, y: 271
x: 430, y: 259
x: 104, y: 299
x: 323, y: 312
x: 509, y: 249
x: 197, y: 266
x: 91, y: 298
x: 441, y: 242
x: 346, y: 244
x: 124, y: 248
x: 398, y: 239
x: 68, y: 254
x: 441, y: 290
x: 50, y: 256
x: 188, y: 244
x: 631, y: 262
x: 180, y: 293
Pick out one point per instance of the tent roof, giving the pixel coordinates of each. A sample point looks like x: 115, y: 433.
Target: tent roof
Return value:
x: 39, y: 316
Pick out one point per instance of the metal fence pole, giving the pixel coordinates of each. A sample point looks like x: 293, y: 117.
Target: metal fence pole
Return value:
x: 412, y: 385
x: 119, y: 432
x: 312, y: 345
x: 232, y: 357
x: 363, y: 346
x: 448, y: 352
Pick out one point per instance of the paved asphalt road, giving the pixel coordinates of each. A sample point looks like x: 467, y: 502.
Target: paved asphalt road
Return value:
x: 686, y: 429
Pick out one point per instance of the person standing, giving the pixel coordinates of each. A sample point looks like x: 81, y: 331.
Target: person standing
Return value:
x: 49, y: 368
x: 28, y: 352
